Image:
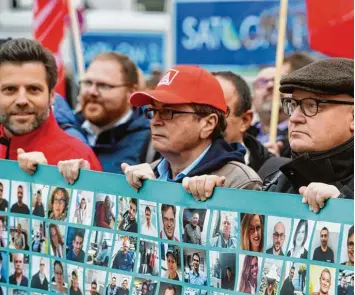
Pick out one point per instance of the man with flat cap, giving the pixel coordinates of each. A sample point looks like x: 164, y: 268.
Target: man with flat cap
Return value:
x: 320, y: 104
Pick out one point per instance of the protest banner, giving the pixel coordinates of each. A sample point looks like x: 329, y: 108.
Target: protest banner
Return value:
x: 99, y: 235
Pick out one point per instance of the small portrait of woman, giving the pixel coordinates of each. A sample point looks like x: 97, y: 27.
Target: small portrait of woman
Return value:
x: 252, y: 232
x: 58, y: 205
x: 300, y: 242
x: 57, y: 240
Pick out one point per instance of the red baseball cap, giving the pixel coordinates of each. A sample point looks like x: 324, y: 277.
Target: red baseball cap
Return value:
x: 184, y: 84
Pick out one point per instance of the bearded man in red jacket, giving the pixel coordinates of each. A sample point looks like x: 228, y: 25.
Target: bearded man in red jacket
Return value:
x: 28, y: 75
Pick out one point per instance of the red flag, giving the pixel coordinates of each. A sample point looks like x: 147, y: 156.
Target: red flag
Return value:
x: 49, y: 29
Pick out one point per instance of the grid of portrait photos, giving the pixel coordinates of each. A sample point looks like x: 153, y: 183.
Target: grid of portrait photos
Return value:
x: 56, y: 240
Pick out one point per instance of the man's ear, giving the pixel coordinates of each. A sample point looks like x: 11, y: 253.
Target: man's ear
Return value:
x: 352, y: 121
x: 51, y: 97
x: 247, y: 118
x: 130, y: 91
x: 209, y: 124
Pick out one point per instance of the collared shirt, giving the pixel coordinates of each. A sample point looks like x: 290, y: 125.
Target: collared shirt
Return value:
x: 163, y: 236
x: 164, y: 168
x: 94, y: 131
x: 198, y: 279
x: 264, y: 137
x: 149, y: 231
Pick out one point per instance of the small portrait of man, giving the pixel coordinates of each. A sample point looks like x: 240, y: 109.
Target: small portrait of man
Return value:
x: 19, y: 270
x: 75, y: 244
x: 39, y: 199
x: 128, y: 218
x: 19, y: 198
x: 195, y: 267
x: 19, y: 233
x: 270, y: 280
x: 169, y: 289
x: 100, y: 248
x: 40, y: 273
x: 347, y: 249
x: 171, y: 262
x: 278, y: 234
x: 105, y: 211
x: 148, y: 217
x: 222, y: 270
x: 4, y: 194
x: 3, y: 232
x: 224, y: 229
x: 75, y: 279
x: 169, y: 222
x: 148, y: 257
x: 322, y: 280
x: 39, y: 237
x: 144, y: 287
x: 95, y: 281
x: 195, y: 226
x: 325, y: 241
x: 124, y: 253
x: 118, y: 284
x: 287, y: 287
x: 295, y: 279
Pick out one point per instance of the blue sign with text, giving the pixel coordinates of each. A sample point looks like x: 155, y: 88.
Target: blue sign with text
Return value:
x: 145, y: 49
x: 235, y: 32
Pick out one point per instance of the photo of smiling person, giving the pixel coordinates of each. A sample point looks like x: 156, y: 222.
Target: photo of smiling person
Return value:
x: 252, y: 232
x: 249, y: 269
x: 322, y: 280
x: 58, y: 203
x: 300, y: 238
x: 347, y: 249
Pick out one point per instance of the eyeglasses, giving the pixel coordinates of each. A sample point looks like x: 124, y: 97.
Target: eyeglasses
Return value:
x: 165, y: 114
x: 351, y: 244
x: 262, y: 83
x: 253, y: 228
x: 101, y: 87
x: 277, y: 235
x: 59, y: 201
x: 309, y: 106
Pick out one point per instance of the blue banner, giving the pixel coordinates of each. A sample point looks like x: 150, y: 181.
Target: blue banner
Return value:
x: 147, y: 50
x: 99, y: 236
x: 238, y: 33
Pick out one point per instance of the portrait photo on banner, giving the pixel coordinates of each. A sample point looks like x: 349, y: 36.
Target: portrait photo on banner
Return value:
x: 94, y: 282
x: 222, y: 270
x: 300, y: 238
x: 169, y: 222
x: 4, y: 267
x: 39, y: 203
x: 81, y: 208
x: 169, y: 289
x: 347, y: 246
x: 294, y: 280
x: 144, y: 287
x: 148, y: 214
x: 128, y: 214
x: 194, y: 291
x: 325, y: 242
x: 277, y: 235
x: 40, y: 270
x: 19, y: 268
x: 75, y: 279
x: 224, y: 229
x: 105, y: 211
x: 252, y: 232
x: 124, y: 253
x: 19, y: 233
x: 118, y: 284
x: 322, y: 280
x: 57, y: 240
x: 271, y: 276
x: 58, y: 203
x: 4, y: 195
x: 20, y: 197
x: 171, y: 262
x: 40, y: 240
x: 195, y: 225
x: 249, y: 273
x: 195, y: 263
x: 148, y: 257
x: 77, y: 241
x: 4, y: 231
x: 345, y: 284
x: 100, y: 248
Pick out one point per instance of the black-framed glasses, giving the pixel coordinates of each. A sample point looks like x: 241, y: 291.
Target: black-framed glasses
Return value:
x: 101, y: 87
x: 309, y: 106
x: 165, y: 114
x: 278, y: 235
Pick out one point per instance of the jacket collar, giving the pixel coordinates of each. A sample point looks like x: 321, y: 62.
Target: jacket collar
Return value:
x: 330, y: 166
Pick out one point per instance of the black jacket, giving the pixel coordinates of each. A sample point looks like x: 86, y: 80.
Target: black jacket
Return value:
x: 36, y: 282
x: 334, y: 167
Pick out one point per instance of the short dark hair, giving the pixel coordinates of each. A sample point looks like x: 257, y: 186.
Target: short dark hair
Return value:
x: 133, y: 201
x: 205, y: 110
x: 145, y: 283
x: 351, y: 232
x: 241, y: 87
x: 1, y: 184
x: 22, y: 50
x: 196, y: 254
x: 170, y: 287
x: 79, y: 234
x: 20, y: 186
x: 147, y: 209
x: 94, y: 283
x: 325, y: 228
x: 298, y: 60
x: 292, y: 267
x: 165, y: 207
x: 129, y: 68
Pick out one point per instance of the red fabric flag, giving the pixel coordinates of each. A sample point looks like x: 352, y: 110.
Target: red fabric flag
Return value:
x: 49, y: 29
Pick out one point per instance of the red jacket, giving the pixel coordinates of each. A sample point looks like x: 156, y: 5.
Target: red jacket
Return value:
x: 52, y: 141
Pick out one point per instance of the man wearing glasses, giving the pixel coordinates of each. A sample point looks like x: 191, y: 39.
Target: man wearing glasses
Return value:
x: 350, y: 247
x: 39, y: 280
x: 320, y: 104
x: 278, y: 238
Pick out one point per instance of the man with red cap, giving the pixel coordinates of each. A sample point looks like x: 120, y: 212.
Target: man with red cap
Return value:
x: 188, y: 120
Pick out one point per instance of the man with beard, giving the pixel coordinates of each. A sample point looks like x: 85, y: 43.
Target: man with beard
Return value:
x: 278, y: 238
x: 288, y: 288
x: 39, y: 280
x: 324, y: 252
x: 28, y: 75
x: 325, y: 281
x: 76, y: 253
x: 19, y: 206
x: 269, y: 290
x: 129, y: 222
x: 117, y: 132
x: 18, y: 278
x: 124, y: 288
x: 192, y: 233
x: 342, y: 286
x: 124, y: 259
x: 3, y: 203
x: 112, y: 289
x: 350, y: 247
